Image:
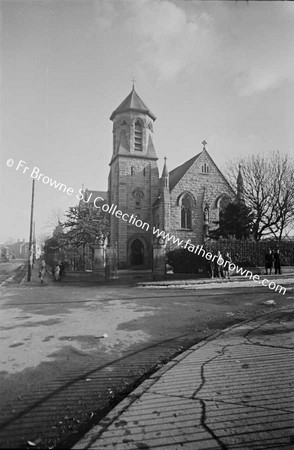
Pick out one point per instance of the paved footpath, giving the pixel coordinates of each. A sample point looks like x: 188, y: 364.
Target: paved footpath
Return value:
x: 231, y: 391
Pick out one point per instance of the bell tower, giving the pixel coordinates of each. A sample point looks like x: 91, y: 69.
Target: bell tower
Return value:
x: 133, y: 179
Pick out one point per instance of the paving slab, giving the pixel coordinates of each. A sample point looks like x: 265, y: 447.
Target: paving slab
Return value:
x: 232, y: 391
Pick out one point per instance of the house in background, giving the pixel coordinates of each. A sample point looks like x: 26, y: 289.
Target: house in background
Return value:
x: 20, y: 249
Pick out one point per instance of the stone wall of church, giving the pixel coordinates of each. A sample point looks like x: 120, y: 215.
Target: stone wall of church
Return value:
x: 133, y: 178
x: 206, y: 189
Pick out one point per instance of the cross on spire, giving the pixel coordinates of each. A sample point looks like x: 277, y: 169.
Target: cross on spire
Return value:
x: 204, y: 143
x: 133, y: 81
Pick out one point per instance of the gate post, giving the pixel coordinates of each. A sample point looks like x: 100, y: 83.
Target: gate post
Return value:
x: 111, y: 263
x: 159, y: 259
x: 99, y: 259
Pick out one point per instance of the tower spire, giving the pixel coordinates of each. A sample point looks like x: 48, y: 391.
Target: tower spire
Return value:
x: 165, y: 173
x: 132, y: 103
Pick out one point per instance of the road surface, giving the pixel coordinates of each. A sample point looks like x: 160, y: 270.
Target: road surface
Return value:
x: 70, y: 352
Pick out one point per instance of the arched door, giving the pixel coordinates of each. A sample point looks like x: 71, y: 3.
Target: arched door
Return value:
x: 137, y: 253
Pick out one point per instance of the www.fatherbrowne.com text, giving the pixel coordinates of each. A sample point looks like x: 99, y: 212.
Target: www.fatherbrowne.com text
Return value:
x: 133, y: 219
x: 200, y: 251
x: 197, y: 250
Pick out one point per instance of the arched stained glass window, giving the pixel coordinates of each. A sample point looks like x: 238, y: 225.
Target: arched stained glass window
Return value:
x: 222, y: 205
x: 223, y: 202
x: 186, y: 212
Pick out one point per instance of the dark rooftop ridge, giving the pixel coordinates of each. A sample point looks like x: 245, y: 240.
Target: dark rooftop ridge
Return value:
x: 132, y: 103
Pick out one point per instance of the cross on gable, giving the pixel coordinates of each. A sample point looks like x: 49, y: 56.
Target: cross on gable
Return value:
x: 204, y: 143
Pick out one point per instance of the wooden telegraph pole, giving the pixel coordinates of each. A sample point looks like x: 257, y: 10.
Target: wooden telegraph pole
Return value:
x: 31, y: 233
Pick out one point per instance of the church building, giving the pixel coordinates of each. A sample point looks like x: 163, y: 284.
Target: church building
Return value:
x: 185, y: 201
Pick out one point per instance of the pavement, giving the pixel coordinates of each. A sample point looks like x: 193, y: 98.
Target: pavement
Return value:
x: 12, y: 270
x: 234, y: 281
x: 233, y: 390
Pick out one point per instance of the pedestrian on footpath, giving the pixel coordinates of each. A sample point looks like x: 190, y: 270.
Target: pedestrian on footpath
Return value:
x: 219, y: 265
x: 209, y: 265
x: 226, y: 266
x: 277, y: 262
x: 57, y: 273
x: 62, y: 269
x: 210, y: 269
x: 42, y: 270
x: 268, y: 262
x: 214, y: 267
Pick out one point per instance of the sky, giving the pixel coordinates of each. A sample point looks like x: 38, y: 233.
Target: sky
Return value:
x: 213, y: 70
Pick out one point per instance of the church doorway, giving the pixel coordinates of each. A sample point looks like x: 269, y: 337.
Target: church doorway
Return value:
x: 137, y: 253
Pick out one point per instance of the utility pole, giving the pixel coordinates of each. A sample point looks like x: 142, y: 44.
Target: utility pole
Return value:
x: 31, y: 233
x: 34, y: 245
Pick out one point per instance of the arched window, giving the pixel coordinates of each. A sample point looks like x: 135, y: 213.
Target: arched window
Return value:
x: 186, y: 212
x: 206, y: 214
x: 138, y: 136
x: 223, y: 202
x: 205, y: 168
x: 137, y: 200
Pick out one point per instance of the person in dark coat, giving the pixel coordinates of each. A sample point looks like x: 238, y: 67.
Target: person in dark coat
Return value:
x: 210, y: 269
x: 42, y: 270
x: 62, y: 269
x: 57, y: 273
x: 268, y: 262
x: 277, y: 262
x: 226, y: 268
x: 219, y: 265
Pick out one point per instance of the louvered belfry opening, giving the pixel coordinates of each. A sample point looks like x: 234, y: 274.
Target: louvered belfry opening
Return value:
x: 138, y: 136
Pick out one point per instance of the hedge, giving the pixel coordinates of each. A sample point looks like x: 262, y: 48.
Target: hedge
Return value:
x: 244, y: 253
x: 251, y: 253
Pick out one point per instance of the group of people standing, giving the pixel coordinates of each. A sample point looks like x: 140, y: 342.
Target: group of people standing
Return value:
x: 217, y: 268
x: 272, y: 259
x: 57, y: 271
x: 220, y: 269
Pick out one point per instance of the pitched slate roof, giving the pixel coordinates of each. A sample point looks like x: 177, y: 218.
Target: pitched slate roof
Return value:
x: 96, y: 194
x: 176, y: 174
x: 132, y: 103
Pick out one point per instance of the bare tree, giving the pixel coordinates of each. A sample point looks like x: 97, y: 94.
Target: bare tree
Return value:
x: 55, y: 218
x: 42, y: 238
x: 268, y: 191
